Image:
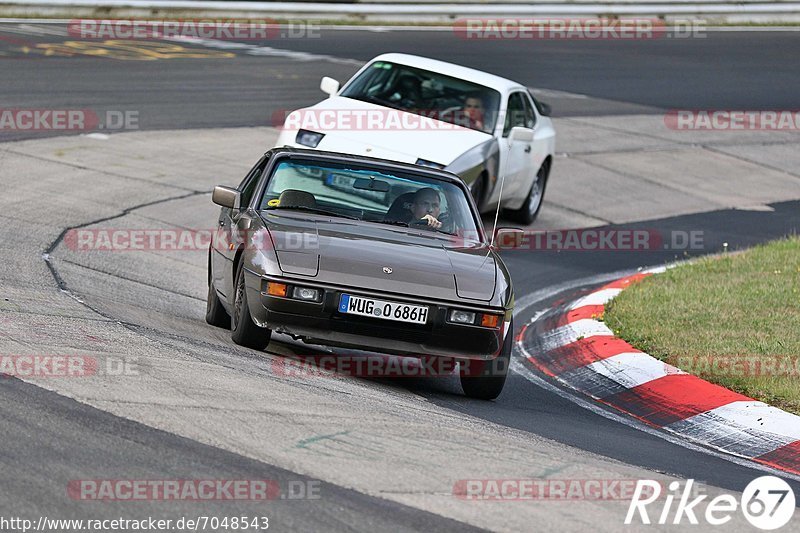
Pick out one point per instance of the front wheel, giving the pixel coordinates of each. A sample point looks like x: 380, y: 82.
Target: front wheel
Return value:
x: 478, y: 190
x: 215, y: 312
x: 244, y: 331
x: 484, y: 380
x: 533, y: 202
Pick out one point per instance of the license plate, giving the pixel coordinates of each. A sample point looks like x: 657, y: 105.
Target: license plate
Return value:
x: 358, y: 305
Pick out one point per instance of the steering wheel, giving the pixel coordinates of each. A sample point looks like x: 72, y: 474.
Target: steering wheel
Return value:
x: 444, y: 218
x: 449, y: 111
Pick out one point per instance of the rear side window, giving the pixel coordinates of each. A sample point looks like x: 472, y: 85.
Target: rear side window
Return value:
x: 518, y: 113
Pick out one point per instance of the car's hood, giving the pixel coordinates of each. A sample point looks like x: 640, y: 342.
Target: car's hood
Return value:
x: 394, y: 134
x: 354, y: 254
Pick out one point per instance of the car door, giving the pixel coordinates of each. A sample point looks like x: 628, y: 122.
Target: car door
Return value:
x: 536, y: 150
x: 517, y: 154
x: 222, y: 254
x: 543, y: 135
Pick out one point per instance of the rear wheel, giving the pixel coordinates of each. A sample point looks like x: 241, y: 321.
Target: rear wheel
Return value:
x: 484, y: 380
x: 533, y: 202
x: 244, y: 331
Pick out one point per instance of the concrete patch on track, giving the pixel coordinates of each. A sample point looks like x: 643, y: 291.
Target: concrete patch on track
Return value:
x: 146, y: 308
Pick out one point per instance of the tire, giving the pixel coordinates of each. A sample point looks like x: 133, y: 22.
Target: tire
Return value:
x: 486, y: 379
x: 478, y: 190
x: 533, y: 202
x: 244, y: 331
x: 216, y: 315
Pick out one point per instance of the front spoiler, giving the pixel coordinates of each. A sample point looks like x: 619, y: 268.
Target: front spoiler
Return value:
x: 321, y: 323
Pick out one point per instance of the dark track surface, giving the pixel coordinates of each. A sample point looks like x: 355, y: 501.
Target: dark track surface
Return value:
x: 724, y: 70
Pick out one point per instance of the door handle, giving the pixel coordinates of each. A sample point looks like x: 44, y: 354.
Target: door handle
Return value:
x: 528, y: 149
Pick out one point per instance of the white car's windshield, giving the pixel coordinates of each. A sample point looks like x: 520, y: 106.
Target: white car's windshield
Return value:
x: 426, y: 93
x: 362, y: 193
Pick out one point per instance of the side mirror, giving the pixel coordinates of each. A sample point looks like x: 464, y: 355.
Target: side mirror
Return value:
x: 520, y: 134
x: 329, y: 86
x: 507, y: 238
x: 544, y: 109
x: 226, y: 197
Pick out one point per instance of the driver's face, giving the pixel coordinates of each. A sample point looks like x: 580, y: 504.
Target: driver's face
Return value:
x: 427, y: 204
x: 473, y: 107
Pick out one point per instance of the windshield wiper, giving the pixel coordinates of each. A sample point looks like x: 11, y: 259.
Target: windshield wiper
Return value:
x: 395, y: 223
x: 414, y: 226
x: 312, y: 210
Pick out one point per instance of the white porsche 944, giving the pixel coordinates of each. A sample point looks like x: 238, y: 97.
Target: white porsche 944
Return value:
x: 417, y: 110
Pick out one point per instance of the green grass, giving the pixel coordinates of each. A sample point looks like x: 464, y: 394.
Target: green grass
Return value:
x: 733, y: 320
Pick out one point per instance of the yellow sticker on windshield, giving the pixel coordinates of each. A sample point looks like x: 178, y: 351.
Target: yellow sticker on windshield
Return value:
x: 275, y: 202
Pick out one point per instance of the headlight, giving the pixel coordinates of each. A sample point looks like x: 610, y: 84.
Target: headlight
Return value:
x: 425, y: 163
x: 458, y: 316
x: 470, y: 318
x: 307, y: 294
x: 308, y: 138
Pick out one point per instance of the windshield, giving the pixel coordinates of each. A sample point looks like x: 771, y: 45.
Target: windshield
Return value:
x: 428, y: 94
x: 361, y: 193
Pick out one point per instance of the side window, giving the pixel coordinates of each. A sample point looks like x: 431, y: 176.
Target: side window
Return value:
x: 516, y: 114
x: 530, y: 114
x: 250, y: 182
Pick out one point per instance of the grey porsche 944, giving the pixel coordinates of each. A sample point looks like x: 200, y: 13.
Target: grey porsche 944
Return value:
x: 356, y: 252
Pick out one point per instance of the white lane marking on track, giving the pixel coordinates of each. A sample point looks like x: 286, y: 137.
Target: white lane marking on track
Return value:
x: 569, y: 333
x: 746, y: 437
x: 26, y: 29
x: 550, y: 292
x: 601, y: 297
x: 255, y: 50
x: 761, y: 416
x: 554, y: 93
x: 43, y: 30
x: 632, y: 369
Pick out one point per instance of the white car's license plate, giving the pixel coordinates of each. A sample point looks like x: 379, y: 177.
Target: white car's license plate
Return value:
x: 358, y: 305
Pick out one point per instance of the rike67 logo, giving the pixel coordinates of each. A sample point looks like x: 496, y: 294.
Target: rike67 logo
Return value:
x: 767, y: 502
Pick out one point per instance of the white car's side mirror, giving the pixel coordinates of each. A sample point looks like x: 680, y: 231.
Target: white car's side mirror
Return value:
x: 507, y: 238
x: 521, y: 134
x: 329, y: 86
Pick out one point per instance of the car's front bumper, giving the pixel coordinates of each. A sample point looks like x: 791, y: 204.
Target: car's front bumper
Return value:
x: 322, y: 323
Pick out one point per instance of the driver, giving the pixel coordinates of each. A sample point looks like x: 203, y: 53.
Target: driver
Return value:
x: 427, y: 206
x: 474, y: 112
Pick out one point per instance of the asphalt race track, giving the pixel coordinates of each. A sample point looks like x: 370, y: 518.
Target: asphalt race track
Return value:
x: 383, y: 454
